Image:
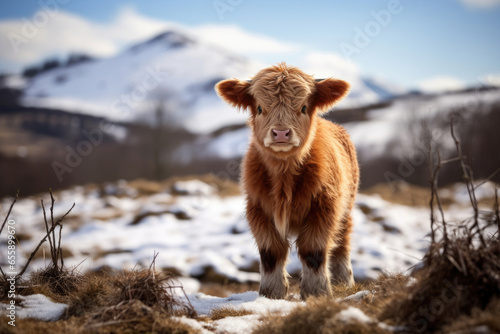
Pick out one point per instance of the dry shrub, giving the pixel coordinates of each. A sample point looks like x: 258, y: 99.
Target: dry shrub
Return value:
x: 136, y: 301
x: 486, y: 319
x: 55, y: 283
x: 386, y: 288
x: 451, y: 284
x: 93, y: 293
x: 460, y: 275
x: 148, y: 287
x: 55, y: 280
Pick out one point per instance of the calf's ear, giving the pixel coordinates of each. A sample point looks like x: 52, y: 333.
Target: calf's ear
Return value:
x: 328, y: 93
x: 235, y: 92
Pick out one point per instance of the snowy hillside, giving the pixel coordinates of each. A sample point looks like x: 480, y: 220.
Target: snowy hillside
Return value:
x: 398, y: 124
x: 126, y: 87
x: 175, y: 66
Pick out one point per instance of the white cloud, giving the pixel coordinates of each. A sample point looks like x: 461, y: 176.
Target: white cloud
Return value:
x: 28, y: 40
x: 329, y: 64
x: 31, y: 39
x: 240, y: 41
x: 491, y: 80
x: 440, y: 84
x: 482, y: 4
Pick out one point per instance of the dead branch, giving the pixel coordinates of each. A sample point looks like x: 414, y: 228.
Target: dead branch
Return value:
x: 47, y: 228
x: 497, y: 212
x: 468, y: 177
x: 487, y: 179
x: 53, y: 250
x: 36, y: 249
x: 47, y: 235
x: 10, y: 210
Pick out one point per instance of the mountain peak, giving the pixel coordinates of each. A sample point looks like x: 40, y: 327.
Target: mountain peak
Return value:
x: 170, y: 38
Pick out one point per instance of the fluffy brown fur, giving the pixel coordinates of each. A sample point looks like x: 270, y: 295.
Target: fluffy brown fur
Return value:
x: 304, y: 187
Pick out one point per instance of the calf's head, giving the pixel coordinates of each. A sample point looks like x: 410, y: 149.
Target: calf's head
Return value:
x: 283, y: 102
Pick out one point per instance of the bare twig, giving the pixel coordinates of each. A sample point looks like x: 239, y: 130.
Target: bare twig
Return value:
x: 36, y: 249
x: 450, y: 160
x: 191, y: 310
x: 8, y: 212
x: 48, y: 235
x: 59, y: 247
x: 47, y: 228
x: 497, y: 212
x: 433, y: 193
x: 3, y: 275
x: 54, y: 249
x: 153, y: 263
x: 67, y: 213
x: 487, y: 179
x: 436, y: 200
x: 468, y: 177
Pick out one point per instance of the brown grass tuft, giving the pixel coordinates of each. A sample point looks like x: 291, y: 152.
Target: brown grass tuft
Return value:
x: 93, y: 293
x: 55, y: 283
x: 487, y: 318
x: 147, y: 287
x: 224, y: 312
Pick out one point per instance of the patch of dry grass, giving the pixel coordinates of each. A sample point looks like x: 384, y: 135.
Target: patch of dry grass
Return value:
x: 146, y: 323
x: 138, y: 301
x: 58, y: 284
x: 224, y: 312
x: 487, y: 319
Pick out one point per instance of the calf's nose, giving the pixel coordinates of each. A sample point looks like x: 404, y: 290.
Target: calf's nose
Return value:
x: 281, y: 136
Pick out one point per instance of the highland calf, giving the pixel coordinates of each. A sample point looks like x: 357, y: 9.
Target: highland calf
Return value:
x: 300, y: 176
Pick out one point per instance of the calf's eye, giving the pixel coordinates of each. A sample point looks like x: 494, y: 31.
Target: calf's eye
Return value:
x: 259, y: 109
x: 304, y: 109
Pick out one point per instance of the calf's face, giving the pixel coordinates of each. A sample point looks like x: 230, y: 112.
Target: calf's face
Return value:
x: 283, y: 102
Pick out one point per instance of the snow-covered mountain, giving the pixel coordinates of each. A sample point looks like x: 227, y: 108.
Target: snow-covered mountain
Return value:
x: 392, y: 130
x: 176, y: 67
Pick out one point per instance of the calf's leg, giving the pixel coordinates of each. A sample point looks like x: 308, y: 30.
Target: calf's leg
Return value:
x: 340, y: 256
x: 314, y: 244
x: 273, y: 251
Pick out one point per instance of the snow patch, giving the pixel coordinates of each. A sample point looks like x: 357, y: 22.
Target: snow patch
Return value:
x: 37, y: 307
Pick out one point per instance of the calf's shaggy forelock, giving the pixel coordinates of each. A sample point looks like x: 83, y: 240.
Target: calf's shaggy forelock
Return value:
x: 300, y: 176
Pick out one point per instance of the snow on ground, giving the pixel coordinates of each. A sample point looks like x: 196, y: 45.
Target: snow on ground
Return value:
x: 249, y: 301
x: 354, y: 314
x: 35, y: 306
x: 194, y: 231
x: 42, y: 308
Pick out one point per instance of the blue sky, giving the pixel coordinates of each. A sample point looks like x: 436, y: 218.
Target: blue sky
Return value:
x: 421, y: 40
